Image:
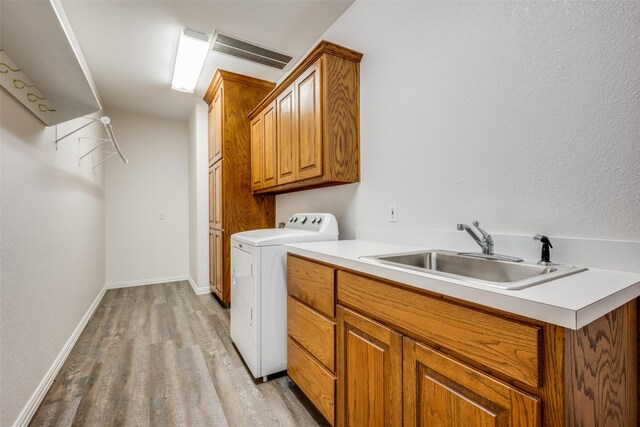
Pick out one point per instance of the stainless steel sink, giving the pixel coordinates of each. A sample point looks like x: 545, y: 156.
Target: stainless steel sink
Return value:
x: 497, y: 273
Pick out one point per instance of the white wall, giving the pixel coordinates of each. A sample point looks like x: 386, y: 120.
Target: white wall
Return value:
x: 199, y: 196
x: 51, y: 247
x: 139, y: 245
x: 523, y: 115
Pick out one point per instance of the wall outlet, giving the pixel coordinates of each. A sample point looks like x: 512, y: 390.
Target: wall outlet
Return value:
x: 393, y: 212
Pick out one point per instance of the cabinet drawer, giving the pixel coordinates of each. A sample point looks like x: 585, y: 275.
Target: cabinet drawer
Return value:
x: 313, y: 331
x: 501, y: 345
x: 318, y: 384
x: 312, y: 284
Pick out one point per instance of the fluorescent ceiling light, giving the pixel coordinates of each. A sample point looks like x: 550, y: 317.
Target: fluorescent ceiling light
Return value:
x: 192, y: 51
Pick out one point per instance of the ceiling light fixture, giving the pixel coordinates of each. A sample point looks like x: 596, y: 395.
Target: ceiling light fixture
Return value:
x: 192, y: 51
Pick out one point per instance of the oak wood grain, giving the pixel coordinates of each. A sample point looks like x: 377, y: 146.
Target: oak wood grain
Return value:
x: 286, y: 134
x: 212, y: 262
x: 341, y: 128
x: 218, y: 262
x: 311, y: 283
x: 323, y: 47
x: 317, y: 383
x: 215, y: 117
x: 308, y: 107
x: 369, y: 372
x: 552, y: 389
x: 216, y: 193
x: 211, y: 196
x: 439, y: 390
x: 318, y: 135
x: 233, y: 96
x: 314, y: 332
x: 501, y: 345
x: 257, y: 148
x: 269, y: 148
x: 602, y: 370
x: 211, y: 133
x: 222, y: 75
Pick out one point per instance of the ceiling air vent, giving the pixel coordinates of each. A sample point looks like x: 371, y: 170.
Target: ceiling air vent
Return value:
x: 241, y: 49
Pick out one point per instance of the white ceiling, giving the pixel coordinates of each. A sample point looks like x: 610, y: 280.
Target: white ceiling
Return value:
x: 130, y: 46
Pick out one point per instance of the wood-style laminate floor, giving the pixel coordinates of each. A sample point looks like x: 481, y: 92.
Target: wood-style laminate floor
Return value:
x: 159, y: 355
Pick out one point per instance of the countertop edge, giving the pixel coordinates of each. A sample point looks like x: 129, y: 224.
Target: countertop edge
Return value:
x: 561, y: 316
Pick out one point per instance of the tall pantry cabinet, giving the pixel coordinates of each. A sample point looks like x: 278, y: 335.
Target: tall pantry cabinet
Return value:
x: 232, y: 206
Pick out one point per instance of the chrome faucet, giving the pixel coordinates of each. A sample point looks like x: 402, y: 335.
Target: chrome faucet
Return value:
x: 484, y: 239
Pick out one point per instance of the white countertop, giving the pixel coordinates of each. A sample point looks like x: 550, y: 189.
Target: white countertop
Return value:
x: 572, y: 301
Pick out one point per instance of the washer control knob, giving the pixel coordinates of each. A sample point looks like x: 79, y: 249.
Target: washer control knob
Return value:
x: 304, y: 219
x: 313, y: 221
x: 291, y: 219
x: 295, y: 219
x: 319, y: 220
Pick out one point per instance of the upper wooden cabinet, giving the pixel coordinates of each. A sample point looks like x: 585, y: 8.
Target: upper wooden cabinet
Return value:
x: 316, y: 139
x: 285, y: 137
x: 215, y: 132
x: 263, y: 142
x: 232, y: 205
x: 308, y: 159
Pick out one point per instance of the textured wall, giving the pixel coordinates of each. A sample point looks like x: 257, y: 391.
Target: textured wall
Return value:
x: 523, y: 115
x: 51, y: 247
x: 140, y: 245
x: 199, y: 195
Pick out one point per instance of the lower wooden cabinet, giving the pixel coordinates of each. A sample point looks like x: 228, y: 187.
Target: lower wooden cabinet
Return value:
x: 212, y: 271
x: 408, y: 357
x: 317, y: 383
x: 215, y: 262
x: 369, y: 372
x: 440, y: 391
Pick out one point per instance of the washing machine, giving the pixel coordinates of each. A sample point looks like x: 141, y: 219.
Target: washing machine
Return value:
x: 259, y: 288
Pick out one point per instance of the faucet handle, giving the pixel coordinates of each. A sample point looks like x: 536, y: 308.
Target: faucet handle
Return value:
x: 484, y: 234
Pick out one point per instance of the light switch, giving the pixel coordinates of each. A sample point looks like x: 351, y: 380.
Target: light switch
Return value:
x: 161, y: 215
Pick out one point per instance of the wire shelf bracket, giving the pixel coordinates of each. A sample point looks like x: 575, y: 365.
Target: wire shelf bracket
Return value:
x: 113, y: 150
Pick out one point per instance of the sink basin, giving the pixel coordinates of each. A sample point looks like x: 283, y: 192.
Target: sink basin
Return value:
x: 497, y: 273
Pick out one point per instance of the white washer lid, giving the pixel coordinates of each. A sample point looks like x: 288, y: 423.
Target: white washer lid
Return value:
x: 280, y: 236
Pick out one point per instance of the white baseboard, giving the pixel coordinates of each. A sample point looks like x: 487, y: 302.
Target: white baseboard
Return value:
x: 34, y: 401
x: 196, y: 289
x: 144, y: 282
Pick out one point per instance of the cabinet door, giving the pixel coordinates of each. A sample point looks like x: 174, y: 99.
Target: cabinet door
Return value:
x: 216, y: 173
x: 286, y: 136
x: 211, y: 195
x: 269, y: 141
x: 211, y: 133
x: 369, y: 372
x: 215, y: 123
x: 308, y: 161
x: 440, y: 391
x: 212, y: 272
x: 217, y: 257
x: 257, y: 152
